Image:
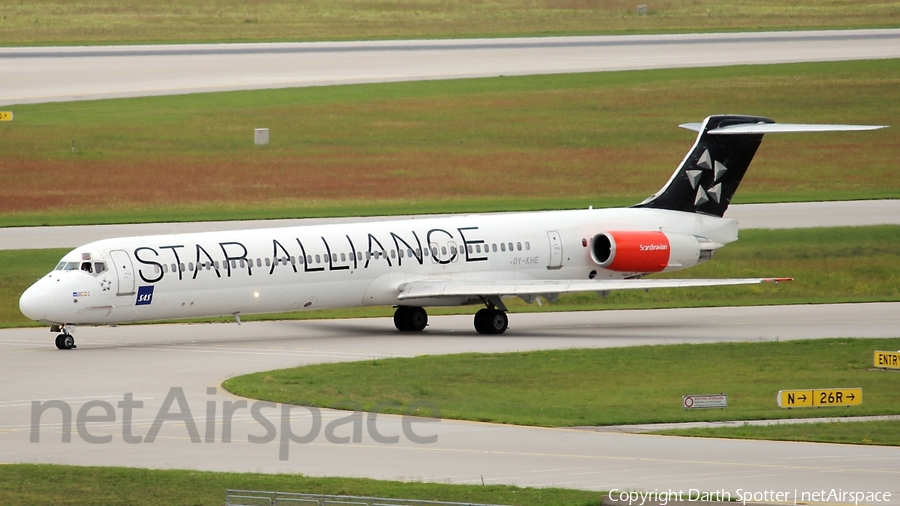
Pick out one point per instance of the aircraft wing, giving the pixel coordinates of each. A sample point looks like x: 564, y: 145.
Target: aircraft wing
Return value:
x: 457, y: 288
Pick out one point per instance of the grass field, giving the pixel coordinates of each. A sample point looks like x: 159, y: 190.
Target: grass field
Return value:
x: 461, y: 145
x: 22, y: 484
x: 131, y: 21
x: 642, y: 384
x: 884, y: 433
x: 854, y: 264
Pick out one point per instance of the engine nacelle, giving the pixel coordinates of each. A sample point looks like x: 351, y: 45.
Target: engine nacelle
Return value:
x: 648, y: 251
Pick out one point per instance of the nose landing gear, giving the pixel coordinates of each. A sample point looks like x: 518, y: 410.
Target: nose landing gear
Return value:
x: 64, y: 341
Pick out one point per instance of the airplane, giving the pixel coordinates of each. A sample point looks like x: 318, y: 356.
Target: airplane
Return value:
x: 478, y: 259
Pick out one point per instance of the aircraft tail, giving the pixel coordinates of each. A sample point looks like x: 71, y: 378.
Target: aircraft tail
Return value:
x: 707, y: 178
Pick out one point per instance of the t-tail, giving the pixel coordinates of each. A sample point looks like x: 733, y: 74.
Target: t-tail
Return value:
x: 709, y: 175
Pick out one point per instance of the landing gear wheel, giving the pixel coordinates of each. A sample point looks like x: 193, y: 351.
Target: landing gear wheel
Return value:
x: 481, y: 318
x: 410, y: 319
x: 491, y: 321
x: 65, y: 342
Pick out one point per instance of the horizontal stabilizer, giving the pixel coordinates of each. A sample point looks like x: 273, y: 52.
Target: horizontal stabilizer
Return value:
x: 773, y: 128
x: 460, y: 288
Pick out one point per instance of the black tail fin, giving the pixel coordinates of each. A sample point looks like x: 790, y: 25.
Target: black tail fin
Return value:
x: 712, y: 170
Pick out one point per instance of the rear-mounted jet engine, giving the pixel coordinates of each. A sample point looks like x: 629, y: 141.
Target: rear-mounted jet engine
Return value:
x: 649, y: 251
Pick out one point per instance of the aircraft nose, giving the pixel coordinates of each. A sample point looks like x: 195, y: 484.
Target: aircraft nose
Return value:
x: 34, y: 303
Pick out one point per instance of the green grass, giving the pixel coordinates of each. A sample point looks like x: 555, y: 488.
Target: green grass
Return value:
x: 511, y: 143
x: 642, y: 384
x: 883, y: 433
x: 111, y: 486
x: 852, y: 264
x: 130, y: 21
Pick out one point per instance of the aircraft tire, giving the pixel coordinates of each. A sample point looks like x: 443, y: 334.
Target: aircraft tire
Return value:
x: 498, y: 322
x: 65, y: 342
x: 401, y: 318
x: 481, y: 321
x: 417, y: 319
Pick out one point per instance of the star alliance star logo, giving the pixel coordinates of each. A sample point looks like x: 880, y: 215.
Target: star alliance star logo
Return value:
x: 706, y: 163
x: 105, y: 284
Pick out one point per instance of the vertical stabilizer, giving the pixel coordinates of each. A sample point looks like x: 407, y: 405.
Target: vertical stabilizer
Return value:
x: 712, y: 170
x: 709, y: 175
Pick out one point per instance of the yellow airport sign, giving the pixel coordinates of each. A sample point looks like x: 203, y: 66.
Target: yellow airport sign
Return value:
x: 887, y: 359
x: 795, y: 398
x: 6, y: 115
x: 818, y: 397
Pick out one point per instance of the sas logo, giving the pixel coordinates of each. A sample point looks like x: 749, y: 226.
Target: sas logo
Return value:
x: 144, y: 296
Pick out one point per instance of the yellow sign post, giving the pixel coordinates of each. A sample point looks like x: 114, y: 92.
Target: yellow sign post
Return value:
x: 819, y: 397
x: 6, y: 115
x: 887, y: 359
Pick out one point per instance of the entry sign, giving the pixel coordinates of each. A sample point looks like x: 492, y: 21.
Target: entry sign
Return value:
x: 819, y: 397
x: 704, y: 401
x: 6, y: 115
x: 887, y: 359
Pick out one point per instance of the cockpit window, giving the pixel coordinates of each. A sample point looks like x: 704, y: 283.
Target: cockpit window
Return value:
x: 72, y: 266
x: 60, y: 266
x: 86, y: 267
x: 99, y: 267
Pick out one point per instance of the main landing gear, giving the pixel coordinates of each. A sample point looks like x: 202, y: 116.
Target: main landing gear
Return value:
x: 410, y: 319
x: 490, y: 320
x: 64, y: 341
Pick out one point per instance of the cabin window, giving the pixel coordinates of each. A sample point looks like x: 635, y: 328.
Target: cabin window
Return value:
x: 527, y: 246
x: 318, y: 259
x: 393, y: 254
x: 519, y: 246
x: 334, y: 257
x: 268, y: 263
x: 502, y: 246
x: 191, y: 266
x: 443, y: 250
x: 494, y: 247
x: 181, y: 267
x: 478, y: 248
x: 470, y: 249
x: 400, y: 253
x: 343, y: 257
x: 293, y: 260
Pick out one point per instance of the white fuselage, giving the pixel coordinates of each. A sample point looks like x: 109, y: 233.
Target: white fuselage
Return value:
x: 332, y: 266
